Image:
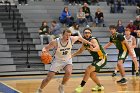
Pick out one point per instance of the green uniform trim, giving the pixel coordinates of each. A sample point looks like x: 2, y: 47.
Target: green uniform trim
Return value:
x: 117, y: 39
x: 99, y: 57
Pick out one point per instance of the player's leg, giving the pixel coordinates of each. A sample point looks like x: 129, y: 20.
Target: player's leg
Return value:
x: 68, y: 71
x: 99, y: 64
x: 121, y: 58
x: 115, y: 71
x: 67, y: 75
x: 94, y: 77
x: 88, y: 70
x: 136, y: 63
x: 45, y: 81
x: 122, y: 72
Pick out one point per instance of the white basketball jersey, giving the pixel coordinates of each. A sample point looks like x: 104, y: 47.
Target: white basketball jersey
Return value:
x: 130, y: 40
x: 63, y: 52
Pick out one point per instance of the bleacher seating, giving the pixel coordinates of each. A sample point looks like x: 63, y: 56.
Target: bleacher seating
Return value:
x: 31, y: 17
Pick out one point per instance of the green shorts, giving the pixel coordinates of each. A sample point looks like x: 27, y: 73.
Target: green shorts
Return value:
x: 122, y: 55
x: 99, y: 63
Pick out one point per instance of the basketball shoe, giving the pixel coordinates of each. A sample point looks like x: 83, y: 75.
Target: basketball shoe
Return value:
x: 79, y: 89
x: 39, y: 91
x: 98, y: 88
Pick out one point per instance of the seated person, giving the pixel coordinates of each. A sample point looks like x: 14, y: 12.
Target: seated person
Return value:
x: 44, y: 32
x: 137, y: 22
x: 99, y: 17
x: 66, y: 17
x: 86, y: 9
x: 81, y: 17
x: 138, y: 9
x: 119, y: 6
x: 120, y: 27
x: 132, y: 27
x: 75, y: 30
x: 55, y: 30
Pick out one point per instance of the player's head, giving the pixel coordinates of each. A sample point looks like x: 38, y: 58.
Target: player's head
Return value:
x: 127, y: 31
x: 112, y: 29
x: 66, y: 34
x: 87, y: 33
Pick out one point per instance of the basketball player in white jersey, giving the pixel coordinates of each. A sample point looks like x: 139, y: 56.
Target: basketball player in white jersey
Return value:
x: 61, y: 59
x: 132, y: 43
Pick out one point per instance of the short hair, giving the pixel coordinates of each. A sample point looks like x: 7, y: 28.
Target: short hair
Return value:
x: 44, y: 22
x: 66, y: 30
x: 127, y: 29
x: 87, y: 29
x: 54, y: 21
x: 112, y: 27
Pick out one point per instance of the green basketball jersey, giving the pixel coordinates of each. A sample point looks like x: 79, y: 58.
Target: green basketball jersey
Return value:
x: 96, y: 55
x: 117, y: 40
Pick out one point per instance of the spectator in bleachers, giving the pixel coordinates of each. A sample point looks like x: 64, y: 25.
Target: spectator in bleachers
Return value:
x: 99, y: 17
x: 44, y: 32
x: 55, y: 30
x: 138, y: 9
x: 86, y: 9
x: 120, y: 27
x: 137, y: 22
x: 132, y: 27
x: 81, y: 18
x: 95, y: 2
x: 66, y: 17
x: 75, y: 30
x: 130, y: 2
x: 119, y: 6
x: 86, y: 1
x: 74, y: 2
x: 116, y: 6
x: 22, y: 2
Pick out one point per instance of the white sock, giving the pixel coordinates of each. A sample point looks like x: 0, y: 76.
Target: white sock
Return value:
x: 123, y: 77
x: 115, y: 71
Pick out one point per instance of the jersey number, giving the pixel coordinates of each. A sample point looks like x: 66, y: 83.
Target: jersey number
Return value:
x: 65, y: 53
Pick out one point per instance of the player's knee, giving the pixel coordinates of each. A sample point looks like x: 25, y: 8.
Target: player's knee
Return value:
x: 68, y: 73
x: 48, y: 78
x: 119, y: 64
x: 90, y: 68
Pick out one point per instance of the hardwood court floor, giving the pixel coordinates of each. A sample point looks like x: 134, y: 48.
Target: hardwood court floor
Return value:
x: 29, y: 84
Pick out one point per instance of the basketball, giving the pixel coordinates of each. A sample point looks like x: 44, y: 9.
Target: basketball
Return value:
x: 45, y: 57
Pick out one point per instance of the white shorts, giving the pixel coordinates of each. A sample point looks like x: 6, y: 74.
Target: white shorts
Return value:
x: 58, y: 65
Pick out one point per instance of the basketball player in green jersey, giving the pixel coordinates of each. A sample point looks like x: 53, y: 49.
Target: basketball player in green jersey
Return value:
x: 99, y: 61
x: 132, y: 43
x: 121, y: 44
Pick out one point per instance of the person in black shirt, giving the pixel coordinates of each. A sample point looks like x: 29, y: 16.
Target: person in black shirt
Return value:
x: 86, y: 9
x: 99, y: 17
x: 44, y: 32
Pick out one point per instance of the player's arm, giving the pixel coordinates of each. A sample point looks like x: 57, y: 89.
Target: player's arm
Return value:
x: 133, y: 42
x: 75, y: 38
x: 95, y: 47
x: 49, y: 46
x: 107, y: 45
x: 79, y: 51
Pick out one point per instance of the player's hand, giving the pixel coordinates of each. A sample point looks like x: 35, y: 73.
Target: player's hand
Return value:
x: 91, y: 48
x: 91, y: 44
x: 44, y: 50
